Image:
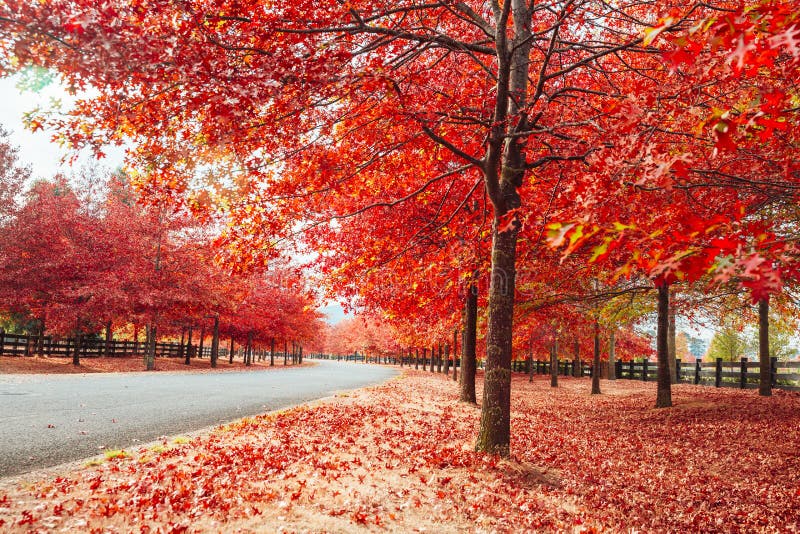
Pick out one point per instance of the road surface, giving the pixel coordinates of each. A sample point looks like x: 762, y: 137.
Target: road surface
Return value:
x: 46, y: 420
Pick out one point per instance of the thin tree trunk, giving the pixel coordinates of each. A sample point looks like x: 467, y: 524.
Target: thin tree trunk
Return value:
x: 189, y: 346
x: 468, y: 357
x: 200, y: 343
x: 230, y: 354
x: 671, y: 337
x: 455, y: 355
x: 612, y: 361
x: 764, y: 367
x: 150, y: 352
x: 272, y: 352
x: 215, y: 343
x: 40, y: 339
x: 447, y: 361
x: 530, y: 361
x: 596, y: 360
x: 576, y: 362
x: 554, y: 364
x: 664, y: 394
x: 285, y: 352
x: 76, y: 355
x: 248, y: 353
x: 182, y: 346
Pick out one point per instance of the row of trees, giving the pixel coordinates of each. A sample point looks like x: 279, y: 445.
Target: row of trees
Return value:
x: 434, y: 156
x: 77, y: 258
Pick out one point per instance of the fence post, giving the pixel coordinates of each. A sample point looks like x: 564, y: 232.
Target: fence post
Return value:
x: 718, y: 373
x: 773, y: 371
x: 743, y: 374
x: 631, y: 370
x: 618, y: 369
x: 677, y: 370
x: 2, y: 340
x: 697, y: 368
x: 644, y: 369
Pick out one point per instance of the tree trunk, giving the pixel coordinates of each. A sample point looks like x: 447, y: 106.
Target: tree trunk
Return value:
x: 150, y: 352
x: 455, y: 355
x: 189, y: 346
x: 612, y: 361
x: 664, y: 395
x: 576, y: 362
x: 447, y: 361
x: 764, y: 367
x: 530, y: 361
x: 494, y: 435
x: 248, y: 353
x: 200, y: 343
x: 416, y: 360
x: 40, y: 339
x: 215, y: 343
x: 182, y: 346
x: 554, y: 364
x: 285, y: 352
x: 671, y: 338
x: 272, y: 352
x: 596, y: 360
x: 76, y: 355
x: 468, y: 358
x: 230, y: 353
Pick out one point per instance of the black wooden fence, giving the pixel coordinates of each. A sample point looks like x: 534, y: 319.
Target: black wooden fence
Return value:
x: 743, y: 374
x: 30, y: 345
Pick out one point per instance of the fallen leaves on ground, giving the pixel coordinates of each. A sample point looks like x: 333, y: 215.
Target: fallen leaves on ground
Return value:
x: 398, y: 457
x: 39, y: 365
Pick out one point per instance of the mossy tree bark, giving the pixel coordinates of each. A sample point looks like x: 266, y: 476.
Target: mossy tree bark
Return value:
x: 495, y: 434
x: 504, y: 166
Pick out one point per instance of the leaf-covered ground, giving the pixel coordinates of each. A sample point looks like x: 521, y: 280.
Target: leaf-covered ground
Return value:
x: 37, y: 365
x: 399, y: 457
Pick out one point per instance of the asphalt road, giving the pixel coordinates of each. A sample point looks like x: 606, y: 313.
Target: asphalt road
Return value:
x: 47, y: 420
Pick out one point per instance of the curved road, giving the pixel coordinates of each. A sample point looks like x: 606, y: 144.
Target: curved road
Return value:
x: 46, y: 420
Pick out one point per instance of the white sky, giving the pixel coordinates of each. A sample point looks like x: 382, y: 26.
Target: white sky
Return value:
x: 36, y: 149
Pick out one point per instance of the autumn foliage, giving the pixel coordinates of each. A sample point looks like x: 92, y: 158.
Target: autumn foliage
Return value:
x: 77, y: 263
